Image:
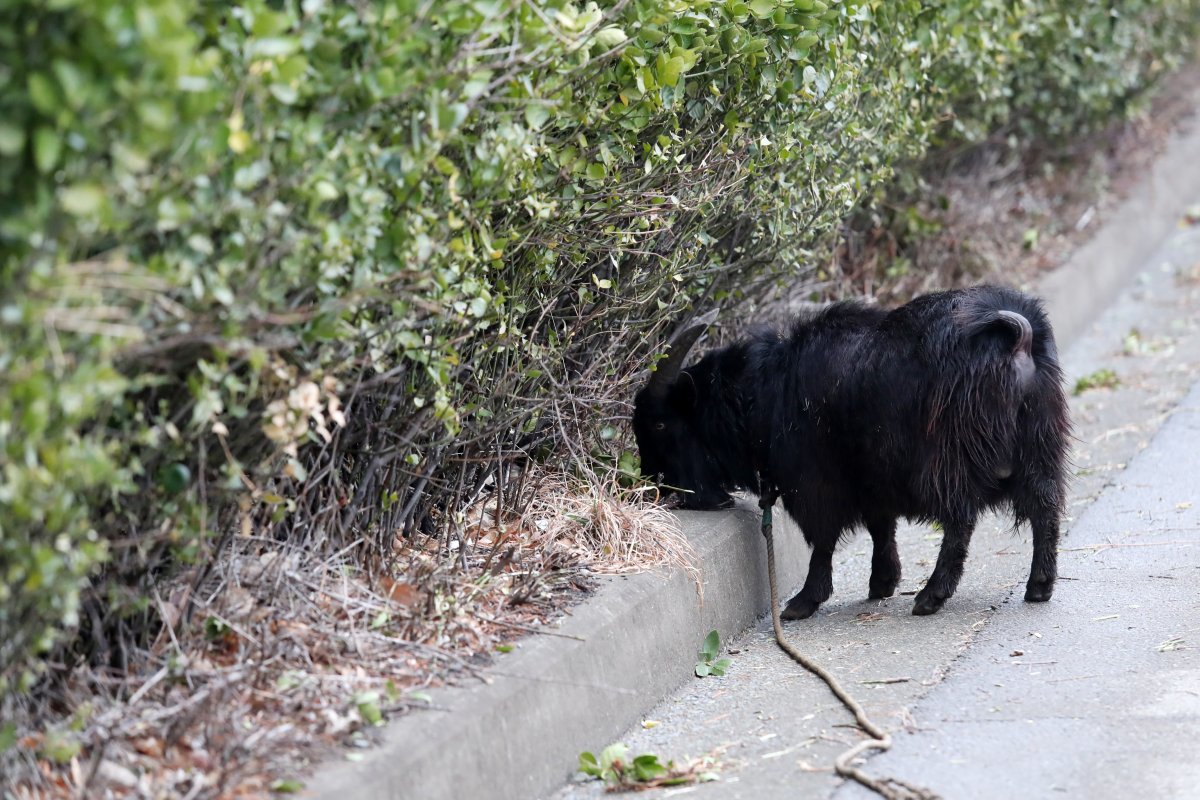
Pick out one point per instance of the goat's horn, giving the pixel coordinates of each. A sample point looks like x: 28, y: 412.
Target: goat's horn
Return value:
x: 680, y: 345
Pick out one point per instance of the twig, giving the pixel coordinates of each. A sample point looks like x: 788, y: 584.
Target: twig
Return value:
x: 527, y: 628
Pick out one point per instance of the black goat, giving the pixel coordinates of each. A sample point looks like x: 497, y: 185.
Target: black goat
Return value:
x: 936, y: 411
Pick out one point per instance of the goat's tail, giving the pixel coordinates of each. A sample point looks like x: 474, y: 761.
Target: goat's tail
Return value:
x: 1017, y: 325
x: 1022, y: 352
x: 1020, y: 328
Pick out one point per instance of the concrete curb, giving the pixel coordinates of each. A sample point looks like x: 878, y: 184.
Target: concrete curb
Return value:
x: 1096, y: 273
x: 555, y: 697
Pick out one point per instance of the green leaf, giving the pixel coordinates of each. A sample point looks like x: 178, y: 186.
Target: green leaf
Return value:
x: 588, y: 764
x: 42, y: 93
x: 288, y: 680
x: 762, y: 8
x: 215, y: 628
x: 536, y: 115
x: 712, y: 646
x: 284, y: 93
x: 273, y: 46
x: 613, y: 754
x: 287, y: 786
x: 720, y: 666
x: 60, y: 746
x: 326, y: 190
x: 47, y: 146
x: 646, y: 768
x: 12, y: 139
x: 609, y: 37
x: 703, y: 669
x: 82, y: 200
x: 73, y: 82
x: 806, y: 40
x: 174, y: 478
x: 8, y: 736
x: 669, y: 70
x: 367, y: 704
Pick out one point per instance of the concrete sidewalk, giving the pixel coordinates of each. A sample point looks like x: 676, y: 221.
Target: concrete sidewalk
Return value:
x: 1098, y: 695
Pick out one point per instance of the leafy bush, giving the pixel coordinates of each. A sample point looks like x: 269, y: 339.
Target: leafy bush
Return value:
x: 317, y: 269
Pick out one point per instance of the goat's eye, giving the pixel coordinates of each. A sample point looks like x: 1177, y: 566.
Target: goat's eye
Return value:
x: 660, y: 426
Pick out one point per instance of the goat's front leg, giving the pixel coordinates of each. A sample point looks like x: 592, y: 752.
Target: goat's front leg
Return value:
x: 956, y: 538
x: 818, y: 585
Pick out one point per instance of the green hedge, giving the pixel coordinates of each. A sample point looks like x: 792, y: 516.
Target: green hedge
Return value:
x: 314, y: 269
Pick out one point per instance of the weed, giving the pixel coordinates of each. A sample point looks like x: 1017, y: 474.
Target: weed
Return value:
x: 1100, y: 379
x: 646, y: 771
x: 709, y: 664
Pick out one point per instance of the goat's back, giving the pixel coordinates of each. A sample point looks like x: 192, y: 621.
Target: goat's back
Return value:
x: 922, y: 409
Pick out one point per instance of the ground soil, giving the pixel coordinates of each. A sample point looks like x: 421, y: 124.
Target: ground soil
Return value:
x: 1005, y: 212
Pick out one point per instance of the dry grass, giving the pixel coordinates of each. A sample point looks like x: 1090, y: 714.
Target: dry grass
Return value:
x: 998, y: 213
x: 282, y: 654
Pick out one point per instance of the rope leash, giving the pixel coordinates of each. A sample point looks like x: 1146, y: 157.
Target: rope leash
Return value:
x: 881, y: 740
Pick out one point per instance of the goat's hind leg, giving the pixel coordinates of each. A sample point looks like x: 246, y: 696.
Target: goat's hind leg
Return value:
x: 1040, y: 497
x: 1044, y: 570
x: 1041, y: 508
x: 956, y: 538
x: 885, y: 560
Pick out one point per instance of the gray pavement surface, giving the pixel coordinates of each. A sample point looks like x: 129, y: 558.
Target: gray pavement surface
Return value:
x: 1095, y: 694
x: 1098, y: 696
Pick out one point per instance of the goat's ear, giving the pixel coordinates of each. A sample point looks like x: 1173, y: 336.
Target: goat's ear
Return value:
x: 680, y: 345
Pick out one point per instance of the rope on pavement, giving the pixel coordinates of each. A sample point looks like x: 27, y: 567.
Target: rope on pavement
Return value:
x: 881, y: 740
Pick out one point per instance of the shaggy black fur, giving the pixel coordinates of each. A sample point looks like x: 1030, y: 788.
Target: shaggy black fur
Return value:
x: 937, y: 411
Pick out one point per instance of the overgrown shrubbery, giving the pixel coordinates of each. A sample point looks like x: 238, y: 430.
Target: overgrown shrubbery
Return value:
x: 305, y: 268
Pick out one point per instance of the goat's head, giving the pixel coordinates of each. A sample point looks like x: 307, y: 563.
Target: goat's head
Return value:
x: 666, y: 416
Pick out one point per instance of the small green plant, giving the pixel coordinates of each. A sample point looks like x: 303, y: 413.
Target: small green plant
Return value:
x: 709, y: 664
x: 367, y: 704
x: 1030, y: 239
x: 216, y: 629
x: 616, y: 769
x: 287, y: 786
x: 1133, y: 344
x: 1100, y: 379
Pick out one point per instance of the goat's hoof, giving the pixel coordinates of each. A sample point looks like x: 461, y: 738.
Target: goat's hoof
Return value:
x: 926, y: 603
x: 1038, y: 592
x: 878, y: 591
x: 799, y: 609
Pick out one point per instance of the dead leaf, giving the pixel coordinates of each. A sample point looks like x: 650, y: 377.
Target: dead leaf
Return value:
x: 113, y: 773
x: 401, y: 593
x: 149, y: 746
